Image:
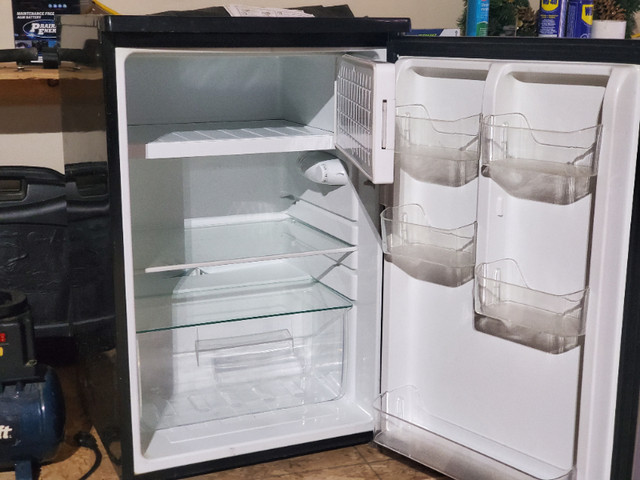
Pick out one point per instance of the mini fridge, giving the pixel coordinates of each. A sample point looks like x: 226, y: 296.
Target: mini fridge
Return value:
x: 325, y: 231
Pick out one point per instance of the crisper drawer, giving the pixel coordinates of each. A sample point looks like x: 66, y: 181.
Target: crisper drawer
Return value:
x: 208, y: 352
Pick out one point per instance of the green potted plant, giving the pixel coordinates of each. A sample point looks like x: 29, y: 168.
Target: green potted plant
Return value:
x: 631, y: 7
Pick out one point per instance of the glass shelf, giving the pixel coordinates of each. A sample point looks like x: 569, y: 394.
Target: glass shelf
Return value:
x: 442, y: 152
x: 226, y: 138
x: 542, y: 165
x: 199, y: 299
x: 513, y: 311
x: 404, y: 425
x: 160, y: 250
x: 444, y: 257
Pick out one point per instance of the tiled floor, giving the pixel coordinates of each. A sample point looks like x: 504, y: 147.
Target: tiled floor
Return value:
x: 361, y: 462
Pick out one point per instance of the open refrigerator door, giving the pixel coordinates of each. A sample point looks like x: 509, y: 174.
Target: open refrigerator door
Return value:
x: 500, y: 274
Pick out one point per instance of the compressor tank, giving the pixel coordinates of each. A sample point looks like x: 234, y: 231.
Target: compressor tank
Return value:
x: 32, y: 413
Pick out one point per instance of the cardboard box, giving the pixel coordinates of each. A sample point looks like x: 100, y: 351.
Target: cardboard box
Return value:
x: 34, y: 22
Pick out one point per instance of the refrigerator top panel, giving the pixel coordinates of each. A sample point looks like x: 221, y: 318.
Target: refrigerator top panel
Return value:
x: 246, y: 25
x: 166, y: 31
x: 520, y: 48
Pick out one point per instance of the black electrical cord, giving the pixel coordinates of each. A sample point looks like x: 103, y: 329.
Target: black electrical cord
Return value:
x: 85, y: 439
x: 110, y: 436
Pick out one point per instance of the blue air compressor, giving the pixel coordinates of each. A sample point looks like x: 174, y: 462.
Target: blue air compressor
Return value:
x: 32, y: 413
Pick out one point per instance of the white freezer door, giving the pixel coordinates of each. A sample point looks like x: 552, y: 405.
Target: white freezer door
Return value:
x: 365, y: 102
x: 486, y: 375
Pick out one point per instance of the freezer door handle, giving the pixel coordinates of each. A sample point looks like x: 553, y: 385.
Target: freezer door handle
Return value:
x: 385, y: 128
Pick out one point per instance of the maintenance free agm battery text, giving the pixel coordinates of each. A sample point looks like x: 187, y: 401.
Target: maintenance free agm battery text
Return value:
x: 33, y: 21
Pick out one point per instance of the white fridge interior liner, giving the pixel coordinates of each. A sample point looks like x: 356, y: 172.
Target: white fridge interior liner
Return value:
x: 403, y: 424
x: 250, y: 433
x: 206, y: 87
x: 221, y: 371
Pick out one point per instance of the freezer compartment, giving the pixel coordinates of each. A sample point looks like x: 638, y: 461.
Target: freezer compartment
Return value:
x: 443, y: 152
x: 442, y: 256
x: 258, y: 102
x: 210, y: 86
x: 404, y: 425
x: 508, y: 308
x: 551, y: 166
x: 218, y: 371
x: 228, y: 103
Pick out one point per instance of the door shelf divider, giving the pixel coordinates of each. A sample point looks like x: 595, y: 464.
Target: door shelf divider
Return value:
x: 508, y: 308
x: 442, y: 256
x: 443, y: 152
x: 189, y: 301
x: 226, y: 138
x: 206, y: 245
x: 548, y: 166
x: 404, y: 425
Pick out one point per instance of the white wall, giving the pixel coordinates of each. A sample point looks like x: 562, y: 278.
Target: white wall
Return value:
x: 423, y: 13
x: 6, y: 25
